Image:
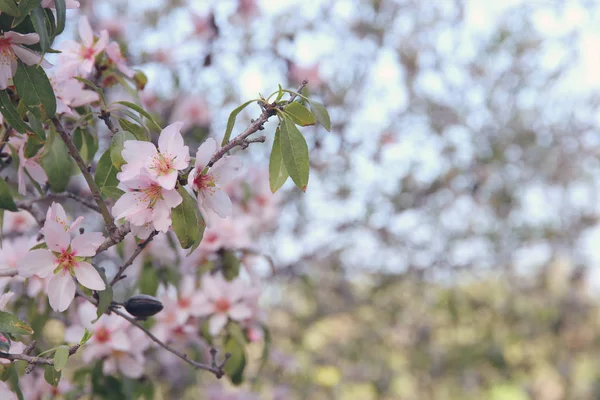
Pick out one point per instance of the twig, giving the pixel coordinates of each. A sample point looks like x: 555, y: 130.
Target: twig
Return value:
x: 108, y: 219
x: 138, y: 250
x: 33, y: 359
x: 105, y: 116
x: 217, y: 371
x: 57, y: 196
x: 117, y: 237
x: 255, y: 126
x: 302, y: 85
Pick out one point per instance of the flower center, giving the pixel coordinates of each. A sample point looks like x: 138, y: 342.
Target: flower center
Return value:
x: 184, y: 302
x: 88, y: 53
x: 102, y: 335
x: 66, y: 260
x: 151, y: 195
x: 222, y: 305
x: 5, y: 44
x: 162, y: 164
x: 204, y: 182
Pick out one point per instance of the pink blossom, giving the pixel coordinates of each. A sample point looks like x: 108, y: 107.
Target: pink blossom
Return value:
x: 19, y: 222
x: 162, y: 164
x: 203, y: 26
x: 13, y: 250
x: 71, y: 93
x: 115, y: 340
x: 145, y: 201
x: 29, y: 166
x: 113, y: 51
x: 11, y: 48
x: 222, y: 300
x: 192, y: 110
x: 35, y: 387
x: 63, y: 259
x: 212, y: 200
x: 6, y: 393
x: 173, y: 322
x: 57, y: 213
x: 299, y: 73
x: 78, y: 58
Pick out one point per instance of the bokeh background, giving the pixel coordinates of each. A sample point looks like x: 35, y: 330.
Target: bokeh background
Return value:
x: 447, y: 245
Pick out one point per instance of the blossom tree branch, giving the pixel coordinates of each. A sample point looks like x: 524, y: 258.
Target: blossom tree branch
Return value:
x: 105, y: 116
x: 217, y: 370
x: 34, y: 359
x: 138, y: 250
x: 108, y: 219
x: 256, y: 125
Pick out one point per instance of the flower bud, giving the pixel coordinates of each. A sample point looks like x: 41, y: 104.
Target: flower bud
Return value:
x: 143, y: 306
x: 140, y: 80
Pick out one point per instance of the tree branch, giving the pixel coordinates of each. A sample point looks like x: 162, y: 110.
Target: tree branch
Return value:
x: 108, y: 219
x: 33, y: 359
x: 136, y: 253
x: 256, y: 125
x: 117, y: 237
x: 217, y: 371
x: 105, y: 116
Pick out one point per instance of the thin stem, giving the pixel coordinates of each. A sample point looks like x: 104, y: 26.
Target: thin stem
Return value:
x: 136, y: 253
x: 105, y: 116
x: 108, y: 219
x: 117, y: 237
x: 35, y: 359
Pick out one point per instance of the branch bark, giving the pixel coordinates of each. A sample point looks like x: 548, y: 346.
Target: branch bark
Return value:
x: 138, y: 250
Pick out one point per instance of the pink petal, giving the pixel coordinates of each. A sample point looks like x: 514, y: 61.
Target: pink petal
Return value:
x: 172, y: 198
x: 216, y: 323
x: 85, y: 32
x: 29, y: 57
x: 88, y: 276
x: 205, y: 152
x: 57, y: 238
x: 85, y: 245
x: 61, y: 291
x: 219, y: 202
x: 170, y: 139
x: 29, y: 38
x: 40, y: 262
x: 240, y: 312
x: 227, y: 169
x: 129, y: 366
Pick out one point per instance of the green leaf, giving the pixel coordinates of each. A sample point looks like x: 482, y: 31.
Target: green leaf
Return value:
x: 13, y: 378
x: 106, y: 173
x: 61, y: 15
x: 6, y: 199
x: 9, y: 7
x: 294, y: 151
x: 35, y: 90
x: 42, y: 245
x: 300, y: 114
x: 112, y: 192
x: 87, y: 335
x: 279, y: 94
x: 321, y: 114
x: 1, y: 225
x: 231, y: 121
x: 277, y: 172
x: 105, y: 297
x: 38, y: 18
x: 230, y: 265
x: 267, y: 347
x: 116, y: 147
x: 36, y: 127
x: 61, y: 355
x: 52, y: 376
x: 25, y: 7
x: 234, y: 367
x: 186, y: 225
x: 138, y: 131
x: 10, y: 113
x: 9, y: 323
x: 140, y: 110
x: 92, y: 86
x: 86, y: 143
x: 57, y: 163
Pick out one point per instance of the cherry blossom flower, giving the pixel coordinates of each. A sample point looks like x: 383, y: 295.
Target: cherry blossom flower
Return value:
x: 18, y: 222
x: 57, y: 213
x: 211, y: 198
x: 78, y: 58
x: 222, y: 300
x: 113, y: 51
x: 68, y: 4
x: 192, y: 110
x: 173, y: 322
x: 6, y: 393
x: 114, y: 340
x: 63, y: 259
x: 71, y: 93
x: 146, y: 201
x: 29, y: 166
x: 11, y: 48
x: 162, y: 164
x: 35, y: 387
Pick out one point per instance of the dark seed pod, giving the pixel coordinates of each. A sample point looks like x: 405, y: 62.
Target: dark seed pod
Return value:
x: 143, y: 306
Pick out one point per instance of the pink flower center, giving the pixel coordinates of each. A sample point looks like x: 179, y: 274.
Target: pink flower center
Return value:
x: 66, y: 260
x: 204, y: 182
x: 163, y: 165
x: 184, y: 302
x: 151, y: 195
x: 88, y: 53
x: 5, y: 47
x: 222, y: 305
x: 102, y: 335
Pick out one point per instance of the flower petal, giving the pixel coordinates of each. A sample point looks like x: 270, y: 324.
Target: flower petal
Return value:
x: 216, y: 323
x: 28, y: 38
x: 85, y: 245
x: 61, y: 291
x: 219, y: 202
x: 240, y: 312
x: 88, y: 276
x: 57, y: 238
x: 205, y: 152
x: 40, y: 262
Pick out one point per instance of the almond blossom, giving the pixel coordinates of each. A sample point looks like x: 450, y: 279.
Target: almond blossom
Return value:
x: 173, y: 322
x: 63, y: 259
x: 27, y: 166
x: 114, y: 340
x: 19, y: 222
x: 57, y: 213
x: 222, y: 300
x: 11, y: 48
x: 212, y: 199
x: 6, y: 393
x: 192, y: 110
x: 68, y: 4
x: 78, y: 58
x: 145, y: 201
x: 71, y: 93
x: 113, y: 51
x: 162, y: 164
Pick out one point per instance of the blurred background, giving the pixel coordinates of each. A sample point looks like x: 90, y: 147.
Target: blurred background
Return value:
x: 447, y: 245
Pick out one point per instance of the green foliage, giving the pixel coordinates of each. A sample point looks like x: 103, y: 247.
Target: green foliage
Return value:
x: 105, y: 297
x: 10, y: 323
x: 106, y: 176
x: 86, y: 143
x: 10, y: 113
x: 61, y: 15
x: 9, y: 7
x: 141, y: 111
x: 35, y: 90
x: 188, y: 224
x: 6, y: 200
x: 299, y: 114
x: 321, y: 114
x: 138, y: 131
x: 294, y: 151
x: 231, y: 121
x: 116, y: 147
x: 57, y: 163
x: 61, y: 355
x: 38, y: 18
x: 234, y: 368
x: 277, y: 172
x: 51, y: 375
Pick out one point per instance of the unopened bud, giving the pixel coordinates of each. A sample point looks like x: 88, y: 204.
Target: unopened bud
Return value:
x: 140, y: 80
x: 143, y: 306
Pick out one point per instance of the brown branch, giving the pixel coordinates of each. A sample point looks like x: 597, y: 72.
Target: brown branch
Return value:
x: 217, y: 371
x: 117, y: 237
x: 256, y: 125
x: 108, y: 219
x: 33, y: 359
x: 138, y: 250
x: 105, y: 116
x: 302, y: 86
